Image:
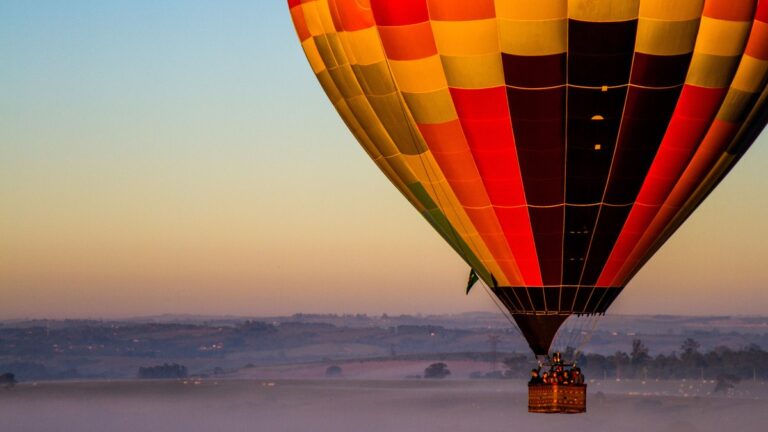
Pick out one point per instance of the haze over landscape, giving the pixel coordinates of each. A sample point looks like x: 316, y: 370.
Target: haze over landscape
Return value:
x: 354, y: 405
x: 241, y: 374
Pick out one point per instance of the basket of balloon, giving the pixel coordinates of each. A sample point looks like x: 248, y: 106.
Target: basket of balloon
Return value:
x: 553, y: 398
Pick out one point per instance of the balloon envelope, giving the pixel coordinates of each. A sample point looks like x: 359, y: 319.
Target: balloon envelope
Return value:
x: 555, y: 145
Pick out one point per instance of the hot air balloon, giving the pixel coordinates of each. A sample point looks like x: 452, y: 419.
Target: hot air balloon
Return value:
x: 554, y: 144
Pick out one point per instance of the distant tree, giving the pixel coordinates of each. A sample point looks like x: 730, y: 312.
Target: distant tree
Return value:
x: 667, y: 366
x: 26, y: 370
x: 7, y: 380
x: 620, y: 359
x: 692, y: 359
x: 333, y: 371
x: 639, y: 356
x: 164, y: 371
x: 690, y: 346
x: 639, y: 352
x: 436, y: 370
x: 596, y: 365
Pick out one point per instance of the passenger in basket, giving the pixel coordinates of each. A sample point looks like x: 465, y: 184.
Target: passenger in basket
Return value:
x: 557, y: 377
x: 535, y: 378
x: 567, y: 378
x: 578, y: 377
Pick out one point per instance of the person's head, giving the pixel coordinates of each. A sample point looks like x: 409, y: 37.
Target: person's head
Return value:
x: 576, y: 371
x: 546, y: 375
x: 534, y: 373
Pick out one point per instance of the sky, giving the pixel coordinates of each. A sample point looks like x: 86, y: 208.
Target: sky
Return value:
x: 180, y: 157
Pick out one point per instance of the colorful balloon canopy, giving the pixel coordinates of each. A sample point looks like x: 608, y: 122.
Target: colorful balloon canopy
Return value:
x: 554, y: 144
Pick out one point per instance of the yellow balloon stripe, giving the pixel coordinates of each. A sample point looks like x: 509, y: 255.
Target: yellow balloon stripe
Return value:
x: 386, y: 124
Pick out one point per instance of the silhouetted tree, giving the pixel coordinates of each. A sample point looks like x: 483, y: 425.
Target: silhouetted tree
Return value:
x: 639, y: 356
x: 639, y: 352
x: 7, y: 380
x: 690, y: 346
x: 436, y: 370
x: 164, y: 371
x: 620, y: 360
x: 333, y: 371
x: 692, y: 359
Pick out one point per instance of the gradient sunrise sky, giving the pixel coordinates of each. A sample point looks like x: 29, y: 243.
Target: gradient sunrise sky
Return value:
x: 180, y: 157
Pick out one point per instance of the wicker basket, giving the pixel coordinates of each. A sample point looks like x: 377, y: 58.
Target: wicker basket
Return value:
x: 553, y: 398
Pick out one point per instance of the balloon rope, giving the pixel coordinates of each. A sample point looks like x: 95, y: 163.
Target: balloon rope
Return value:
x: 576, y: 333
x: 503, y: 310
x: 594, y: 320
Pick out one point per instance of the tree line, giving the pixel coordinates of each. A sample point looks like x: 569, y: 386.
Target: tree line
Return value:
x: 164, y: 371
x: 749, y: 362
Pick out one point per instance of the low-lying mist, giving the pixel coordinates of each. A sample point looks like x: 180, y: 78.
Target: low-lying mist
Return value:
x: 357, y: 405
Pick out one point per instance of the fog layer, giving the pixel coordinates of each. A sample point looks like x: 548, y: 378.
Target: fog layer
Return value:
x: 348, y: 405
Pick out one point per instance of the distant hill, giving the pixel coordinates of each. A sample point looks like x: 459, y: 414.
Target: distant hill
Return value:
x: 56, y: 349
